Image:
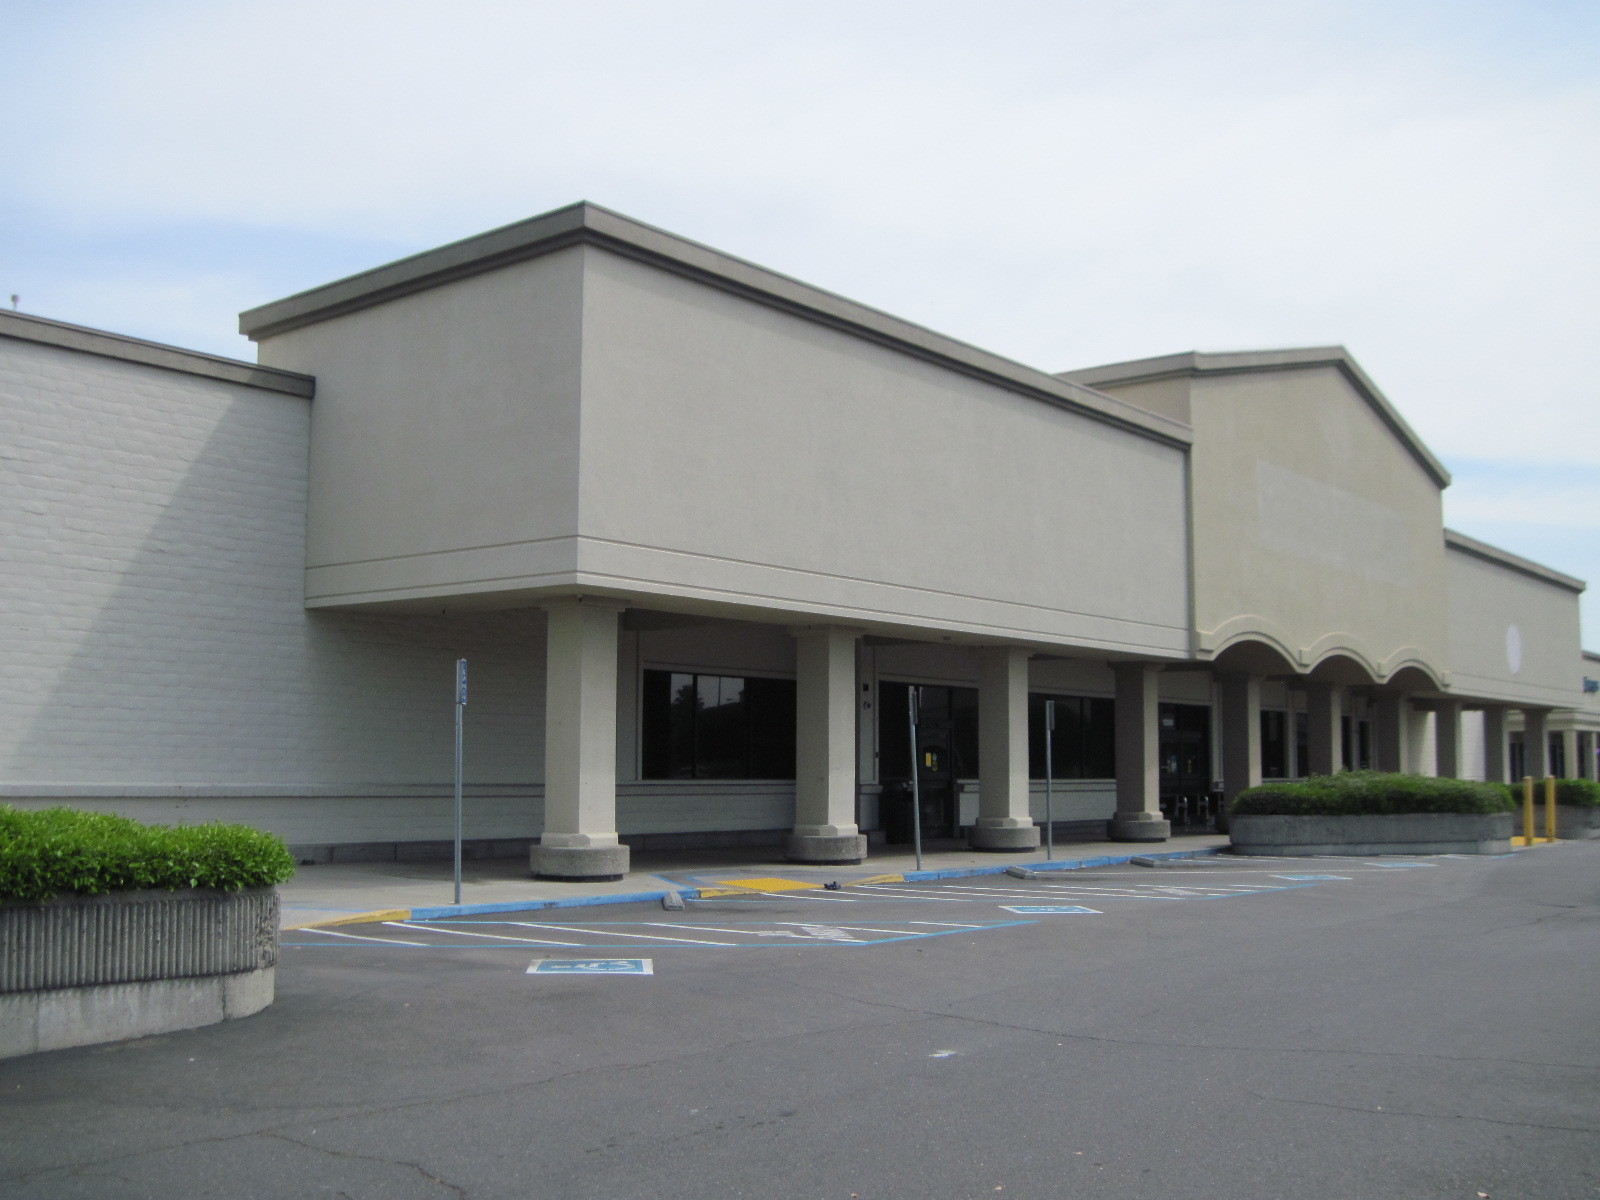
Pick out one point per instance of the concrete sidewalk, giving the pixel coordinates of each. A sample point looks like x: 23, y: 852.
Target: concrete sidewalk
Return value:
x: 345, y: 893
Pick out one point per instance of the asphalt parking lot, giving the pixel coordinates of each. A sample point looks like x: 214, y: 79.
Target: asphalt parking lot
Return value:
x: 1221, y: 1028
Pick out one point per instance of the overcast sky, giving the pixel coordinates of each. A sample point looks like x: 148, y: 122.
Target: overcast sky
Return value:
x: 1062, y: 183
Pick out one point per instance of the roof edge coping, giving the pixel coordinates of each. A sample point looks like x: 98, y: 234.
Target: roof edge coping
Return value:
x: 586, y: 223
x: 1237, y: 362
x: 24, y: 327
x: 1504, y: 558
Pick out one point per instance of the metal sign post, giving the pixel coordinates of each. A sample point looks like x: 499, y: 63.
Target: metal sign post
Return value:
x: 1049, y: 776
x: 461, y: 704
x: 916, y: 787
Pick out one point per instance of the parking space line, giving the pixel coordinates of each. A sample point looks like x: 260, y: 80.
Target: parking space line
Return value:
x: 608, y: 933
x: 361, y: 938
x: 502, y: 937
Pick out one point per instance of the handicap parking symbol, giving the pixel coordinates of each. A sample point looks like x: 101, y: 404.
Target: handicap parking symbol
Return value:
x: 591, y: 966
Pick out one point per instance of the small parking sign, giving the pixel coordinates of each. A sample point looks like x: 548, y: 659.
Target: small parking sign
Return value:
x: 591, y: 966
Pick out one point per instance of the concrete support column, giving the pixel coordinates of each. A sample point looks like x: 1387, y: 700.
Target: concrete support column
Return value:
x: 1494, y: 744
x: 1536, y: 742
x: 1586, y: 763
x: 1569, y: 752
x: 1324, y: 736
x: 1241, y: 734
x: 1004, y: 822
x: 579, y: 842
x: 1391, y: 725
x: 1138, y: 816
x: 1447, y: 739
x: 1421, y: 748
x: 825, y: 829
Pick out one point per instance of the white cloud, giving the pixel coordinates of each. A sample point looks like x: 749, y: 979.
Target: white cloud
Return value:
x: 1066, y: 184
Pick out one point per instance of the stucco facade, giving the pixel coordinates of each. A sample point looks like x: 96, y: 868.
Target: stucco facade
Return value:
x: 655, y: 494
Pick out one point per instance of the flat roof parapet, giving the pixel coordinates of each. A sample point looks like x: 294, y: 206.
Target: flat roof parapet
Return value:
x: 24, y: 327
x: 1239, y: 362
x: 590, y: 224
x: 1504, y: 558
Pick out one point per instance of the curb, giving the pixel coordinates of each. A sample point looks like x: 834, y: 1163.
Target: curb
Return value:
x: 440, y: 912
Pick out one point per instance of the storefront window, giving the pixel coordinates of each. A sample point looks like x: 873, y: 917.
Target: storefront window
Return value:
x: 717, y: 727
x: 1084, y: 742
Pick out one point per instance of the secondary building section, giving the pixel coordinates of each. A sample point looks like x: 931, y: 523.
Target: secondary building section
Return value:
x: 700, y: 530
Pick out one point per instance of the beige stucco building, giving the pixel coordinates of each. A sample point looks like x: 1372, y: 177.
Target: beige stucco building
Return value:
x: 699, y: 530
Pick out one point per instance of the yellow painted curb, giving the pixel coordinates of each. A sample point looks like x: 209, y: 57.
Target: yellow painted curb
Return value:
x: 366, y: 918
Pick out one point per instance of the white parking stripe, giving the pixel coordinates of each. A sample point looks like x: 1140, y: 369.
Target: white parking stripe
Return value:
x: 358, y: 937
x: 502, y: 937
x: 656, y: 937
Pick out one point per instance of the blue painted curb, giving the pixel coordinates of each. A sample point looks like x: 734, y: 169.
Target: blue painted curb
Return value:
x: 1071, y: 864
x: 440, y: 912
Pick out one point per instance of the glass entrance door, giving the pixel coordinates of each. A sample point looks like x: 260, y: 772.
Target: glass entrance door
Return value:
x: 947, y: 745
x: 1185, y: 748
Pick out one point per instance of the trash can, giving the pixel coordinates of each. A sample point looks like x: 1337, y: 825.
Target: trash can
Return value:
x: 894, y: 813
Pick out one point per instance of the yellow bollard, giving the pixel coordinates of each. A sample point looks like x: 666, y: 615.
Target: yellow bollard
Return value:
x: 1527, y: 810
x: 1549, y: 808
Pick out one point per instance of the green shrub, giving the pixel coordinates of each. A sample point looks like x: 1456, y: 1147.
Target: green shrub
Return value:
x: 1366, y: 793
x: 63, y: 850
x: 1584, y: 793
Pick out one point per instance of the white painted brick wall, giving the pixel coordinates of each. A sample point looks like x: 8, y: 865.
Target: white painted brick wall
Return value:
x: 151, y: 621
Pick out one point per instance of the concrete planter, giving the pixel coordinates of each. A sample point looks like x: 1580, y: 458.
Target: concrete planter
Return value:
x: 1409, y: 833
x: 85, y: 969
x: 1573, y: 823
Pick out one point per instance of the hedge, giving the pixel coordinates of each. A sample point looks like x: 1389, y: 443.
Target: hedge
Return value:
x: 56, y: 850
x: 1368, y: 793
x: 1581, y: 793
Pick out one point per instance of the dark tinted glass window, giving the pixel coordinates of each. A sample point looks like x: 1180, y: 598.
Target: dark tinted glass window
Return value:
x: 771, y: 707
x: 1083, y: 745
x: 717, y: 727
x: 964, y: 731
x: 1274, y: 745
x: 1302, y: 743
x: 1099, y: 738
x: 894, y: 732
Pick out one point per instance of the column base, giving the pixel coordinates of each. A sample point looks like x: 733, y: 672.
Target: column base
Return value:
x: 842, y: 850
x: 1138, y: 827
x: 1003, y: 839
x: 579, y: 864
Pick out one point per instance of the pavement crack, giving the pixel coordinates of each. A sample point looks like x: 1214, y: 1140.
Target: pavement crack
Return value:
x: 374, y: 1158
x: 1431, y: 1116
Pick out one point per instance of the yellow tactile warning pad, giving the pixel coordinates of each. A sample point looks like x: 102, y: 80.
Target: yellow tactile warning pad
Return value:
x: 770, y: 883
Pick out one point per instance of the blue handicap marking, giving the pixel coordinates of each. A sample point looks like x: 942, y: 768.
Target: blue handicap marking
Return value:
x: 1346, y: 878
x: 1048, y: 909
x: 591, y: 966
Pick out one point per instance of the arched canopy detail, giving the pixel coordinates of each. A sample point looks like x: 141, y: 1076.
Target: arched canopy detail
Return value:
x: 1346, y: 667
x: 1255, y: 655
x: 1414, y: 675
